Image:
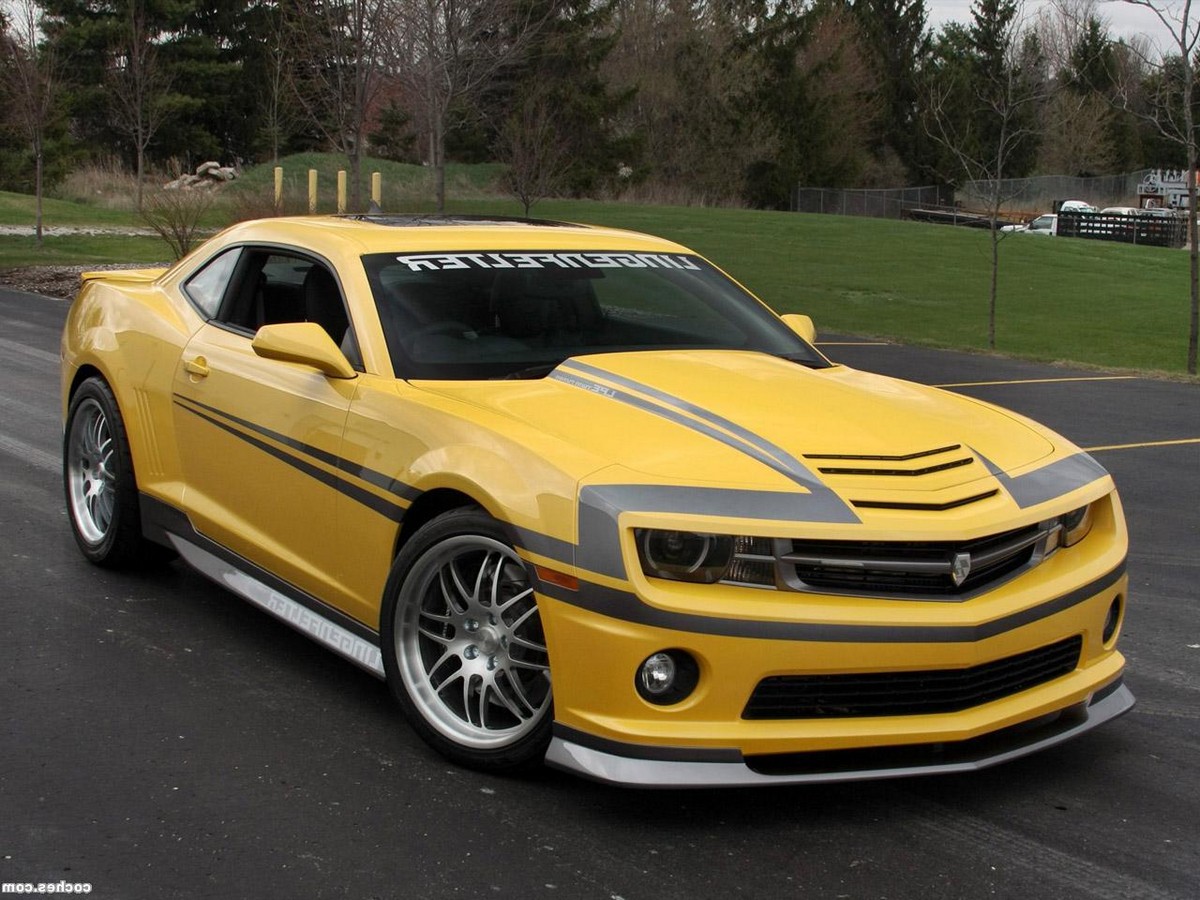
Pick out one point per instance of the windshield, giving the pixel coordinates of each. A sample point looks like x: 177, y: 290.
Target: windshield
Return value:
x: 519, y: 314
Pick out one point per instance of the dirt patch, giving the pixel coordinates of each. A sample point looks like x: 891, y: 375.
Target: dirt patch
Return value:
x: 55, y: 281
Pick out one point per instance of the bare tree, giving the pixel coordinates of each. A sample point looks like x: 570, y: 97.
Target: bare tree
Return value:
x: 1076, y: 134
x: 175, y: 216
x: 341, y: 53
x: 983, y: 117
x: 138, y: 86
x: 535, y: 151
x: 31, y: 85
x: 450, y: 52
x: 1060, y: 25
x: 1172, y: 112
x: 278, y: 108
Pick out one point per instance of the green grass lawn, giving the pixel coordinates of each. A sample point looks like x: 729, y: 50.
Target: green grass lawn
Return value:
x: 1065, y: 299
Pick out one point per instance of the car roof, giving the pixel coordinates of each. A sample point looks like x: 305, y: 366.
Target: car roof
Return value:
x: 363, y: 234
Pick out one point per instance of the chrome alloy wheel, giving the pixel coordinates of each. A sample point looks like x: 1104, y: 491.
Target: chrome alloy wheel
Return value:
x: 469, y: 643
x: 92, y: 472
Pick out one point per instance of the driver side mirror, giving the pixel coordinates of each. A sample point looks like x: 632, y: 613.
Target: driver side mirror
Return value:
x: 802, y: 325
x: 306, y: 343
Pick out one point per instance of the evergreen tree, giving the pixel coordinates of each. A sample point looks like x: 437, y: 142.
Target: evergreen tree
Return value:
x: 899, y: 45
x: 563, y: 68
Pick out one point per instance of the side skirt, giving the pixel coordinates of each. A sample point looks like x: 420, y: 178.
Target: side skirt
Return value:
x: 289, y: 604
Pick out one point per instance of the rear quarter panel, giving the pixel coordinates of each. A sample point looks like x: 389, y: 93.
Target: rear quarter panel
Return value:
x: 131, y: 334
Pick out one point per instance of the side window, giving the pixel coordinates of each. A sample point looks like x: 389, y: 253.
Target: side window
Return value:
x: 207, y: 287
x: 273, y: 287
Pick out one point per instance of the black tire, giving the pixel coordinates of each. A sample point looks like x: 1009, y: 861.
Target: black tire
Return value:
x: 463, y: 646
x: 99, y: 483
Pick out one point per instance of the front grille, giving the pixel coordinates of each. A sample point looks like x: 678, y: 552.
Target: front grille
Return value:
x: 910, y: 693
x: 911, y: 567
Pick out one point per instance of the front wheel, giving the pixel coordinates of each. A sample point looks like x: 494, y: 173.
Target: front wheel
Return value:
x: 463, y: 645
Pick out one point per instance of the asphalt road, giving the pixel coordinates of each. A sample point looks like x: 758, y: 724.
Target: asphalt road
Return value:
x: 161, y: 738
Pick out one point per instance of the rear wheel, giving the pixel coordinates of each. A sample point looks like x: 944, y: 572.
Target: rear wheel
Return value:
x: 463, y: 644
x: 101, y: 491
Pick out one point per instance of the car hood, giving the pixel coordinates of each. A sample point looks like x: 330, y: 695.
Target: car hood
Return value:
x: 726, y: 417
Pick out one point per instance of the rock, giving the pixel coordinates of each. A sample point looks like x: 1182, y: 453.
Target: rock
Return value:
x: 208, y: 175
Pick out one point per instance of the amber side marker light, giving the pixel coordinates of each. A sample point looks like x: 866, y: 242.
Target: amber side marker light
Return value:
x: 560, y: 579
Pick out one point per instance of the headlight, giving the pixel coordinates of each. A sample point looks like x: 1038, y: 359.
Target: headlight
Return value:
x: 684, y: 555
x: 1075, y: 525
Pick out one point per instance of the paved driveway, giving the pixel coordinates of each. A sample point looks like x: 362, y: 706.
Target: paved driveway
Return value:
x: 160, y: 738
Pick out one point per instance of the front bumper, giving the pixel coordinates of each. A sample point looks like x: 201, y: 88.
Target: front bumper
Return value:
x: 666, y: 767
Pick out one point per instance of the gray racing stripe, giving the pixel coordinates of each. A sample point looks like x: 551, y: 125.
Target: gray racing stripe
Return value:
x: 796, y: 468
x: 626, y: 606
x: 1048, y: 482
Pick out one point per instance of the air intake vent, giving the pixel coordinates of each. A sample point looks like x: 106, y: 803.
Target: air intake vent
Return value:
x: 910, y: 693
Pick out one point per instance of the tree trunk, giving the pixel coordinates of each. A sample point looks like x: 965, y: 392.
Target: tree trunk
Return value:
x: 438, y: 146
x: 141, y: 163
x: 1194, y: 261
x: 995, y: 281
x: 356, y: 177
x: 38, y: 190
x: 1189, y: 125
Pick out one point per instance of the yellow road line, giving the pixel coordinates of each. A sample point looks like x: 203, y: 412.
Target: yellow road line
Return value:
x: 1140, y: 446
x: 1040, y: 381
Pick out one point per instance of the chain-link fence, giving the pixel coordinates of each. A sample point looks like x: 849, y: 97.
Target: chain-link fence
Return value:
x: 1021, y: 194
x: 1039, y: 193
x: 890, y: 203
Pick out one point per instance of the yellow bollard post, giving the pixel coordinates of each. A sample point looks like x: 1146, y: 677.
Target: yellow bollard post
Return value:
x: 377, y: 189
x: 278, y: 189
x: 312, y: 191
x: 341, y: 192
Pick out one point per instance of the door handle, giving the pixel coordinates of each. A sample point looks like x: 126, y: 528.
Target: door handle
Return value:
x: 197, y: 367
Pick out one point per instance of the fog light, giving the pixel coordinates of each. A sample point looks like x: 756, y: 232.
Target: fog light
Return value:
x: 1113, y: 621
x: 667, y: 677
x: 658, y: 674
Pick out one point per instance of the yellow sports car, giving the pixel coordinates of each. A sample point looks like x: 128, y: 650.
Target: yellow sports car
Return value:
x: 580, y: 498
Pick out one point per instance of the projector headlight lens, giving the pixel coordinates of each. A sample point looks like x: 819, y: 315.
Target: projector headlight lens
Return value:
x: 684, y: 555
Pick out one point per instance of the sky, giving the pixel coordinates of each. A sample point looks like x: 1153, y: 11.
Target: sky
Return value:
x: 1125, y: 20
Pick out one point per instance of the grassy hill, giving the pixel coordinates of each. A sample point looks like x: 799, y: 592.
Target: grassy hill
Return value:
x: 1060, y: 299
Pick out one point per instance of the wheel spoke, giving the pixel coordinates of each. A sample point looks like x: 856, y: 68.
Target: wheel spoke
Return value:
x: 484, y: 702
x: 489, y: 571
x: 453, y: 677
x: 434, y: 636
x: 432, y: 671
x: 508, y: 702
x: 519, y: 690
x: 528, y: 664
x: 452, y: 590
x: 468, y: 683
x: 517, y: 635
x: 521, y: 595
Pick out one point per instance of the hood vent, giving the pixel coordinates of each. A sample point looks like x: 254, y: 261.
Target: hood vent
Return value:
x: 923, y: 507
x: 961, y: 458
x: 909, y: 456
